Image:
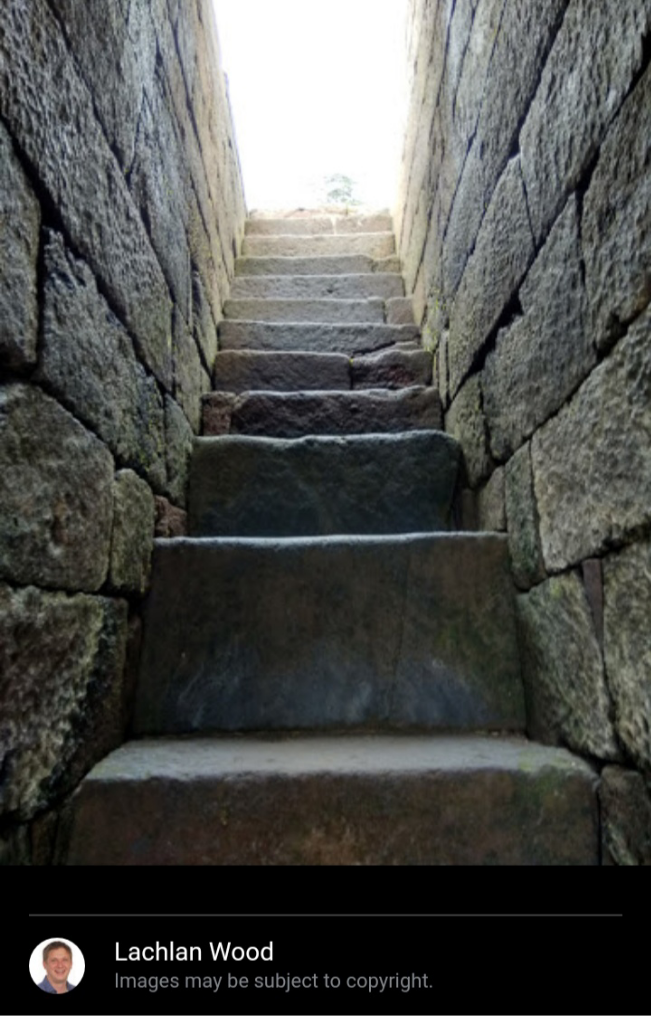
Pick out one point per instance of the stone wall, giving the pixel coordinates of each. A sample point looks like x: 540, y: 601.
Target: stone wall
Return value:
x: 524, y: 225
x: 121, y: 212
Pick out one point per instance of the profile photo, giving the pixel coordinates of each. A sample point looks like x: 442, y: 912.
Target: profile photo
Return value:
x: 57, y: 966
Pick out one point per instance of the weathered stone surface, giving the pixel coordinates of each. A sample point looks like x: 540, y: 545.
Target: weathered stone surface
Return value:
x: 465, y: 421
x: 592, y: 462
x: 567, y: 698
x: 335, y: 800
x: 491, y: 510
x: 48, y: 108
x: 379, y: 484
x: 627, y: 599
x: 414, y: 630
x: 56, y: 503
x: 318, y: 286
x: 307, y: 310
x: 256, y: 225
x: 399, y: 311
x: 375, y: 245
x: 87, y: 359
x: 522, y: 521
x: 61, y: 661
x: 20, y: 220
x: 204, y: 327
x: 502, y: 253
x: 295, y: 414
x: 539, y: 360
x: 392, y: 368
x: 170, y: 520
x: 386, y: 265
x: 625, y: 802
x: 294, y: 266
x: 617, y: 220
x: 179, y: 440
x: 133, y: 533
x: 281, y: 371
x: 190, y: 379
x: 346, y: 338
x: 602, y: 44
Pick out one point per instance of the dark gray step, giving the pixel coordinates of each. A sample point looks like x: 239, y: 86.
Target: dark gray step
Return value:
x: 334, y: 800
x: 334, y: 632
x: 374, y: 244
x: 298, y: 413
x: 263, y: 487
x: 349, y: 339
x: 331, y: 311
x: 392, y: 368
x: 322, y: 224
x: 312, y: 286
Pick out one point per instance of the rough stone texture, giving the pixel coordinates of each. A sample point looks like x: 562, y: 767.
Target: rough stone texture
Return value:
x: 190, y: 378
x: 365, y: 800
x: 20, y: 219
x: 465, y: 421
x: 392, y: 368
x: 539, y: 361
x: 502, y: 253
x: 179, y: 440
x: 293, y: 266
x: 281, y: 371
x: 56, y: 503
x: 592, y: 462
x: 594, y: 591
x: 567, y: 698
x: 170, y: 520
x: 627, y: 599
x: 376, y: 245
x: 205, y: 329
x: 307, y: 310
x: 133, y: 533
x: 491, y: 508
x: 321, y: 224
x: 87, y: 360
x: 522, y: 521
x: 625, y: 801
x: 399, y: 311
x: 294, y: 414
x: 313, y: 286
x: 617, y: 220
x: 262, y: 487
x: 330, y: 632
x: 347, y: 338
x: 62, y: 660
x: 602, y: 44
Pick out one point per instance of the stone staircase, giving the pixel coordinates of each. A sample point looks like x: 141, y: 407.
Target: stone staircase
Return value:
x: 330, y: 673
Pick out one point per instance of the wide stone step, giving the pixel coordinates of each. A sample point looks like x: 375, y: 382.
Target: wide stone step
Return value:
x: 315, y: 337
x: 341, y: 632
x: 310, y: 371
x: 306, y: 310
x: 263, y: 487
x: 325, y: 224
x: 292, y: 266
x: 376, y: 245
x: 333, y: 800
x: 297, y: 413
x: 312, y: 286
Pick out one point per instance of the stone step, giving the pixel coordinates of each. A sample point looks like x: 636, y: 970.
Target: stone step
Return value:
x: 282, y: 266
x: 378, y: 483
x: 324, y: 224
x: 350, y: 339
x: 312, y: 286
x: 331, y: 311
x: 298, y: 413
x: 334, y: 800
x: 375, y: 245
x: 413, y: 631
x: 310, y: 371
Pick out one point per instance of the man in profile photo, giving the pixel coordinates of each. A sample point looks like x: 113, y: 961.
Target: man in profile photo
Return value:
x: 57, y: 961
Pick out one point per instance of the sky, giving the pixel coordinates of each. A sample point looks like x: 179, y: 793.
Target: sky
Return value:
x: 317, y: 88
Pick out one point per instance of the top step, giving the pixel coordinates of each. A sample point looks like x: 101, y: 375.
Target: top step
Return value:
x: 321, y: 224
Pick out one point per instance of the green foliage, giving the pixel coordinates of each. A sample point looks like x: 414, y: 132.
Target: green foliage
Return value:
x: 340, y: 190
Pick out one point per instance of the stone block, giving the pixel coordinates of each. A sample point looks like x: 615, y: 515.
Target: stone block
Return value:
x: 87, y: 359
x: 203, y: 323
x: 362, y: 223
x: 465, y: 421
x: 347, y: 338
x: 545, y: 354
x: 61, y: 660
x: 466, y: 100
x: 190, y: 379
x: 56, y: 494
x: 568, y: 702
x: 627, y: 599
x: 399, y: 311
x: 257, y: 225
x: 493, y: 273
x: 392, y: 368
x: 590, y: 69
x: 20, y: 221
x: 49, y: 110
x: 491, y: 509
x: 170, y: 520
x: 307, y: 310
x: 281, y: 266
x: 522, y: 521
x: 314, y: 286
x: 132, y: 540
x: 281, y: 371
x: 592, y: 462
x: 179, y: 440
x: 625, y: 801
x: 616, y: 224
x: 376, y: 245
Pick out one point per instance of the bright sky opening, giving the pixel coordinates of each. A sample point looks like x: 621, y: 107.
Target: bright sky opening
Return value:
x: 317, y: 88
